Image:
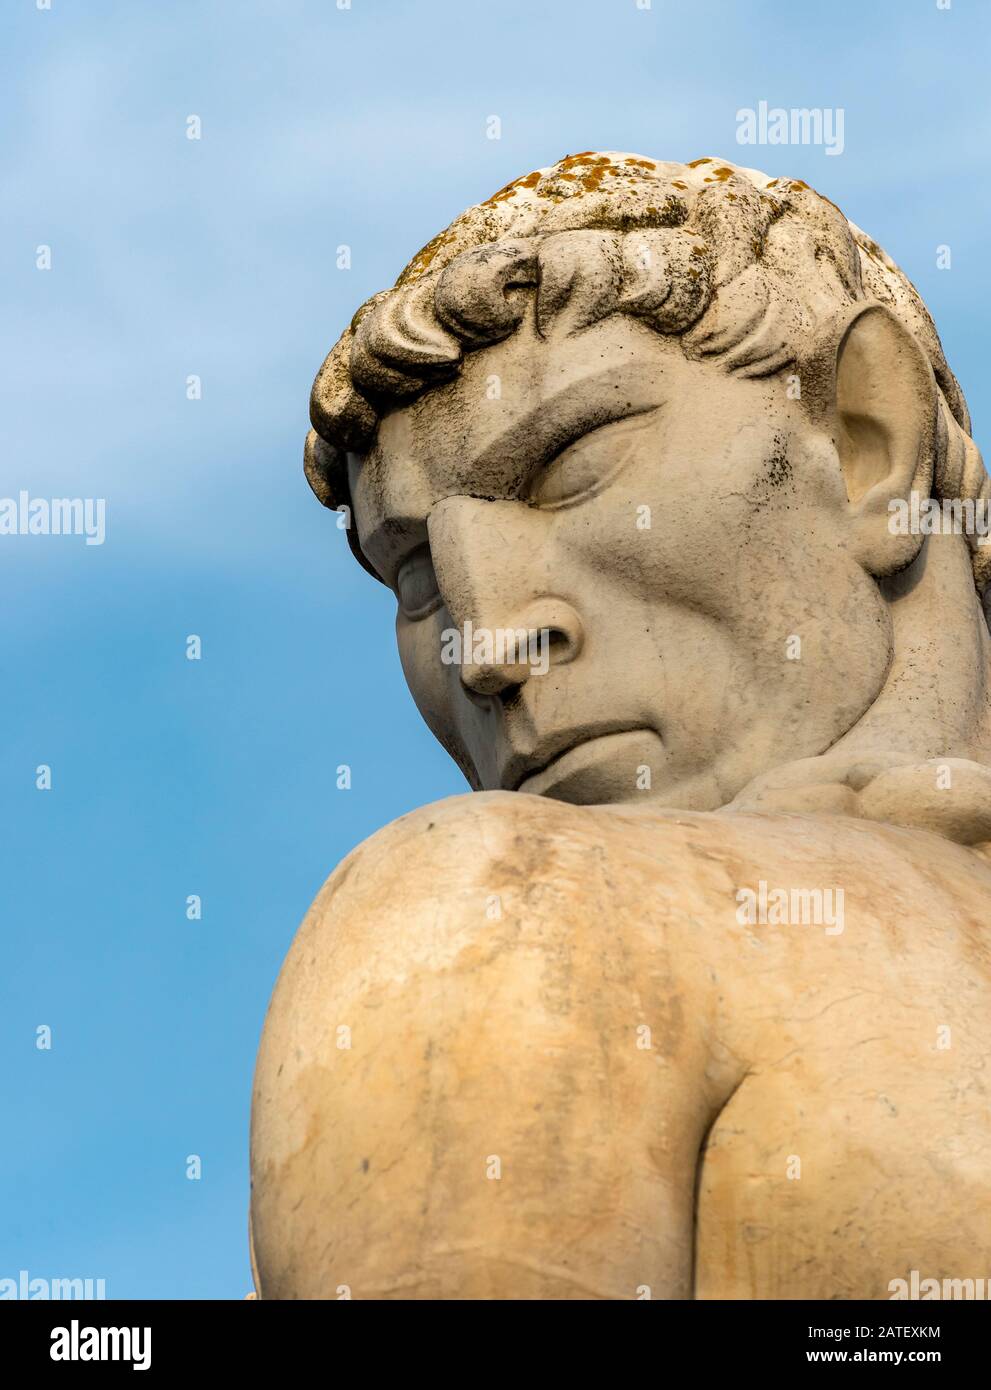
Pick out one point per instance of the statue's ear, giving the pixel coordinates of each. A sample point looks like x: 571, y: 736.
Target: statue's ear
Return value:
x: 886, y: 411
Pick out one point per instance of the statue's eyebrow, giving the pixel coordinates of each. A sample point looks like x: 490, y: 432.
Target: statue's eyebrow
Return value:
x: 505, y: 464
x: 560, y: 420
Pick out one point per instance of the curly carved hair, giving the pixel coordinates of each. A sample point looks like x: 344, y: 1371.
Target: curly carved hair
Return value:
x: 742, y: 269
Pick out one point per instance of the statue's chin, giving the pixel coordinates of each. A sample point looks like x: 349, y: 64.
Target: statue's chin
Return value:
x: 609, y: 768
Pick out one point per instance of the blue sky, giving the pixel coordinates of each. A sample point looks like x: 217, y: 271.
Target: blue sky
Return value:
x: 216, y: 257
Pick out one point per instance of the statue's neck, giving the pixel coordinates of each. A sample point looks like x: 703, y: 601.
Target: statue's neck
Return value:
x: 921, y: 755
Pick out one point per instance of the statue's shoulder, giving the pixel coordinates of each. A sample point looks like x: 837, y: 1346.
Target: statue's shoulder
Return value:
x: 471, y: 857
x: 497, y: 838
x: 686, y: 881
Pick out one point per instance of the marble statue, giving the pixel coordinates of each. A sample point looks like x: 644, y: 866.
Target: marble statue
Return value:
x: 689, y: 997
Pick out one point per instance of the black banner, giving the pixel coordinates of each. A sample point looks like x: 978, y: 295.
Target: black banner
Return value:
x: 171, y: 1337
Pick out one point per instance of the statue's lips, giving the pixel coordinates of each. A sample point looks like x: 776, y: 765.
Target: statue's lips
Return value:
x: 593, y: 761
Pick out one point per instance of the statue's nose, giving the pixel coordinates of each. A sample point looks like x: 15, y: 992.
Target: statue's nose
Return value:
x: 499, y: 660
x: 492, y: 563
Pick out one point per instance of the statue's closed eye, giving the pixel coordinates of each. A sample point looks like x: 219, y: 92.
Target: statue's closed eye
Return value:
x: 416, y: 585
x: 588, y: 465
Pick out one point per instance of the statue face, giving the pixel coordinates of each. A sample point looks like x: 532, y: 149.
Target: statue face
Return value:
x: 680, y: 536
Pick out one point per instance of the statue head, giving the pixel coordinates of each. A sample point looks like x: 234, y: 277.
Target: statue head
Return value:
x: 678, y: 498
